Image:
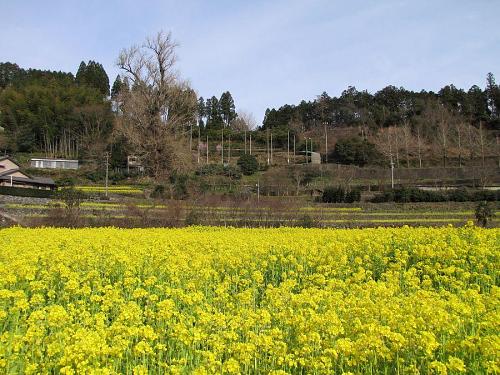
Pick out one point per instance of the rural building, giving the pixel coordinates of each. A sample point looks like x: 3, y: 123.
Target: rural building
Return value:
x: 54, y: 163
x: 11, y: 175
x: 134, y: 163
x: 315, y: 157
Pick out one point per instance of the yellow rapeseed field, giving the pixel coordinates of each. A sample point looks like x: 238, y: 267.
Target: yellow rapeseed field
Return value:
x: 267, y: 301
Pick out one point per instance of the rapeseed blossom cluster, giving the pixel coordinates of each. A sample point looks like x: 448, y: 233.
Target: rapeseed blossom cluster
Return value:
x: 233, y: 301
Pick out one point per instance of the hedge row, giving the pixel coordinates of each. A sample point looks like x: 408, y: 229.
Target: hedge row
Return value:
x: 340, y: 195
x: 25, y: 192
x: 405, y: 195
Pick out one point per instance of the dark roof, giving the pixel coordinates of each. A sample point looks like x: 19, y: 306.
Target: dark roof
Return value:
x: 40, y: 181
x: 10, y: 171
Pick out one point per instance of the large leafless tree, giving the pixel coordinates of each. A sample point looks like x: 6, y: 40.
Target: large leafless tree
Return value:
x: 159, y: 108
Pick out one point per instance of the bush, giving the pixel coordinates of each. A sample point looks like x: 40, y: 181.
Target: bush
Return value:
x: 353, y: 196
x: 95, y: 176
x: 406, y: 194
x: 333, y: 195
x: 65, y: 181
x: 484, y: 213
x: 305, y: 221
x: 193, y: 217
x: 248, y: 164
x: 158, y: 191
x: 355, y: 151
x: 71, y: 197
x: 26, y: 192
x: 219, y: 170
x: 339, y: 195
x: 179, y: 182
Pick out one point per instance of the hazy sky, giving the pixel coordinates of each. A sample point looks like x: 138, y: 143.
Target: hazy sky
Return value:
x: 268, y: 53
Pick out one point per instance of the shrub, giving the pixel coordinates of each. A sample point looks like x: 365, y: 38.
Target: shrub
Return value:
x: 25, y: 192
x: 158, y: 191
x: 65, y: 181
x: 219, y: 170
x: 333, y: 195
x: 95, y: 176
x: 355, y: 151
x: 306, y: 221
x: 72, y: 198
x: 353, y: 196
x: 248, y: 164
x: 484, y: 213
x: 179, y: 182
x: 406, y: 194
x: 193, y: 217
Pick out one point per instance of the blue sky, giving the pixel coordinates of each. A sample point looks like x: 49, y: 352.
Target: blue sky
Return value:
x: 268, y: 53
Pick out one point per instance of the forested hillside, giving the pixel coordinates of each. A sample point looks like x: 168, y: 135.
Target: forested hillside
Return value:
x: 55, y: 112
x: 394, y: 121
x: 65, y: 115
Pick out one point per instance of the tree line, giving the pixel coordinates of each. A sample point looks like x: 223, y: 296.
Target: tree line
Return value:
x: 388, y: 107
x: 55, y: 112
x: 151, y: 112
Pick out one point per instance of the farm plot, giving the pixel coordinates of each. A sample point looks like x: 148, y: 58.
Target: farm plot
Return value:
x: 175, y: 213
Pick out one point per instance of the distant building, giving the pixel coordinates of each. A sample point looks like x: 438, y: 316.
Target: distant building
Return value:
x: 313, y: 157
x: 11, y: 175
x: 54, y: 163
x: 134, y: 163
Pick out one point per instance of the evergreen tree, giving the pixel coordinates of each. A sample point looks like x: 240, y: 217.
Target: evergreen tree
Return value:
x: 214, y: 116
x: 201, y: 111
x: 93, y: 75
x: 117, y: 86
x: 493, y: 95
x: 227, y: 108
x: 81, y: 74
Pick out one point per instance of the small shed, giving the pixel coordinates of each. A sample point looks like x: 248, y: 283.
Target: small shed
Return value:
x: 54, y: 163
x: 315, y: 158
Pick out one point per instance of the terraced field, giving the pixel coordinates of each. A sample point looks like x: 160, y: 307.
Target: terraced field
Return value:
x: 250, y: 214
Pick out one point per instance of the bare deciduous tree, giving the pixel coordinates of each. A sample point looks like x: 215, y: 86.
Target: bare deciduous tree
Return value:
x: 244, y: 122
x: 158, y: 110
x: 93, y: 135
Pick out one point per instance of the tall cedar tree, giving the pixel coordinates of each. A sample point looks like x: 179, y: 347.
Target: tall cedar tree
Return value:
x: 93, y: 75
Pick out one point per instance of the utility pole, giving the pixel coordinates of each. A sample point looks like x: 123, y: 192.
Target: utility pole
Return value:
x: 288, y: 149
x: 229, y: 153
x: 326, y: 145
x: 207, y: 148
x: 271, y: 147
x: 107, y: 172
x: 307, y: 159
x: 222, y: 148
x: 250, y: 144
x: 294, y: 149
x: 392, y: 173
x: 199, y: 134
x: 267, y: 146
x: 190, y: 137
x: 245, y: 142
